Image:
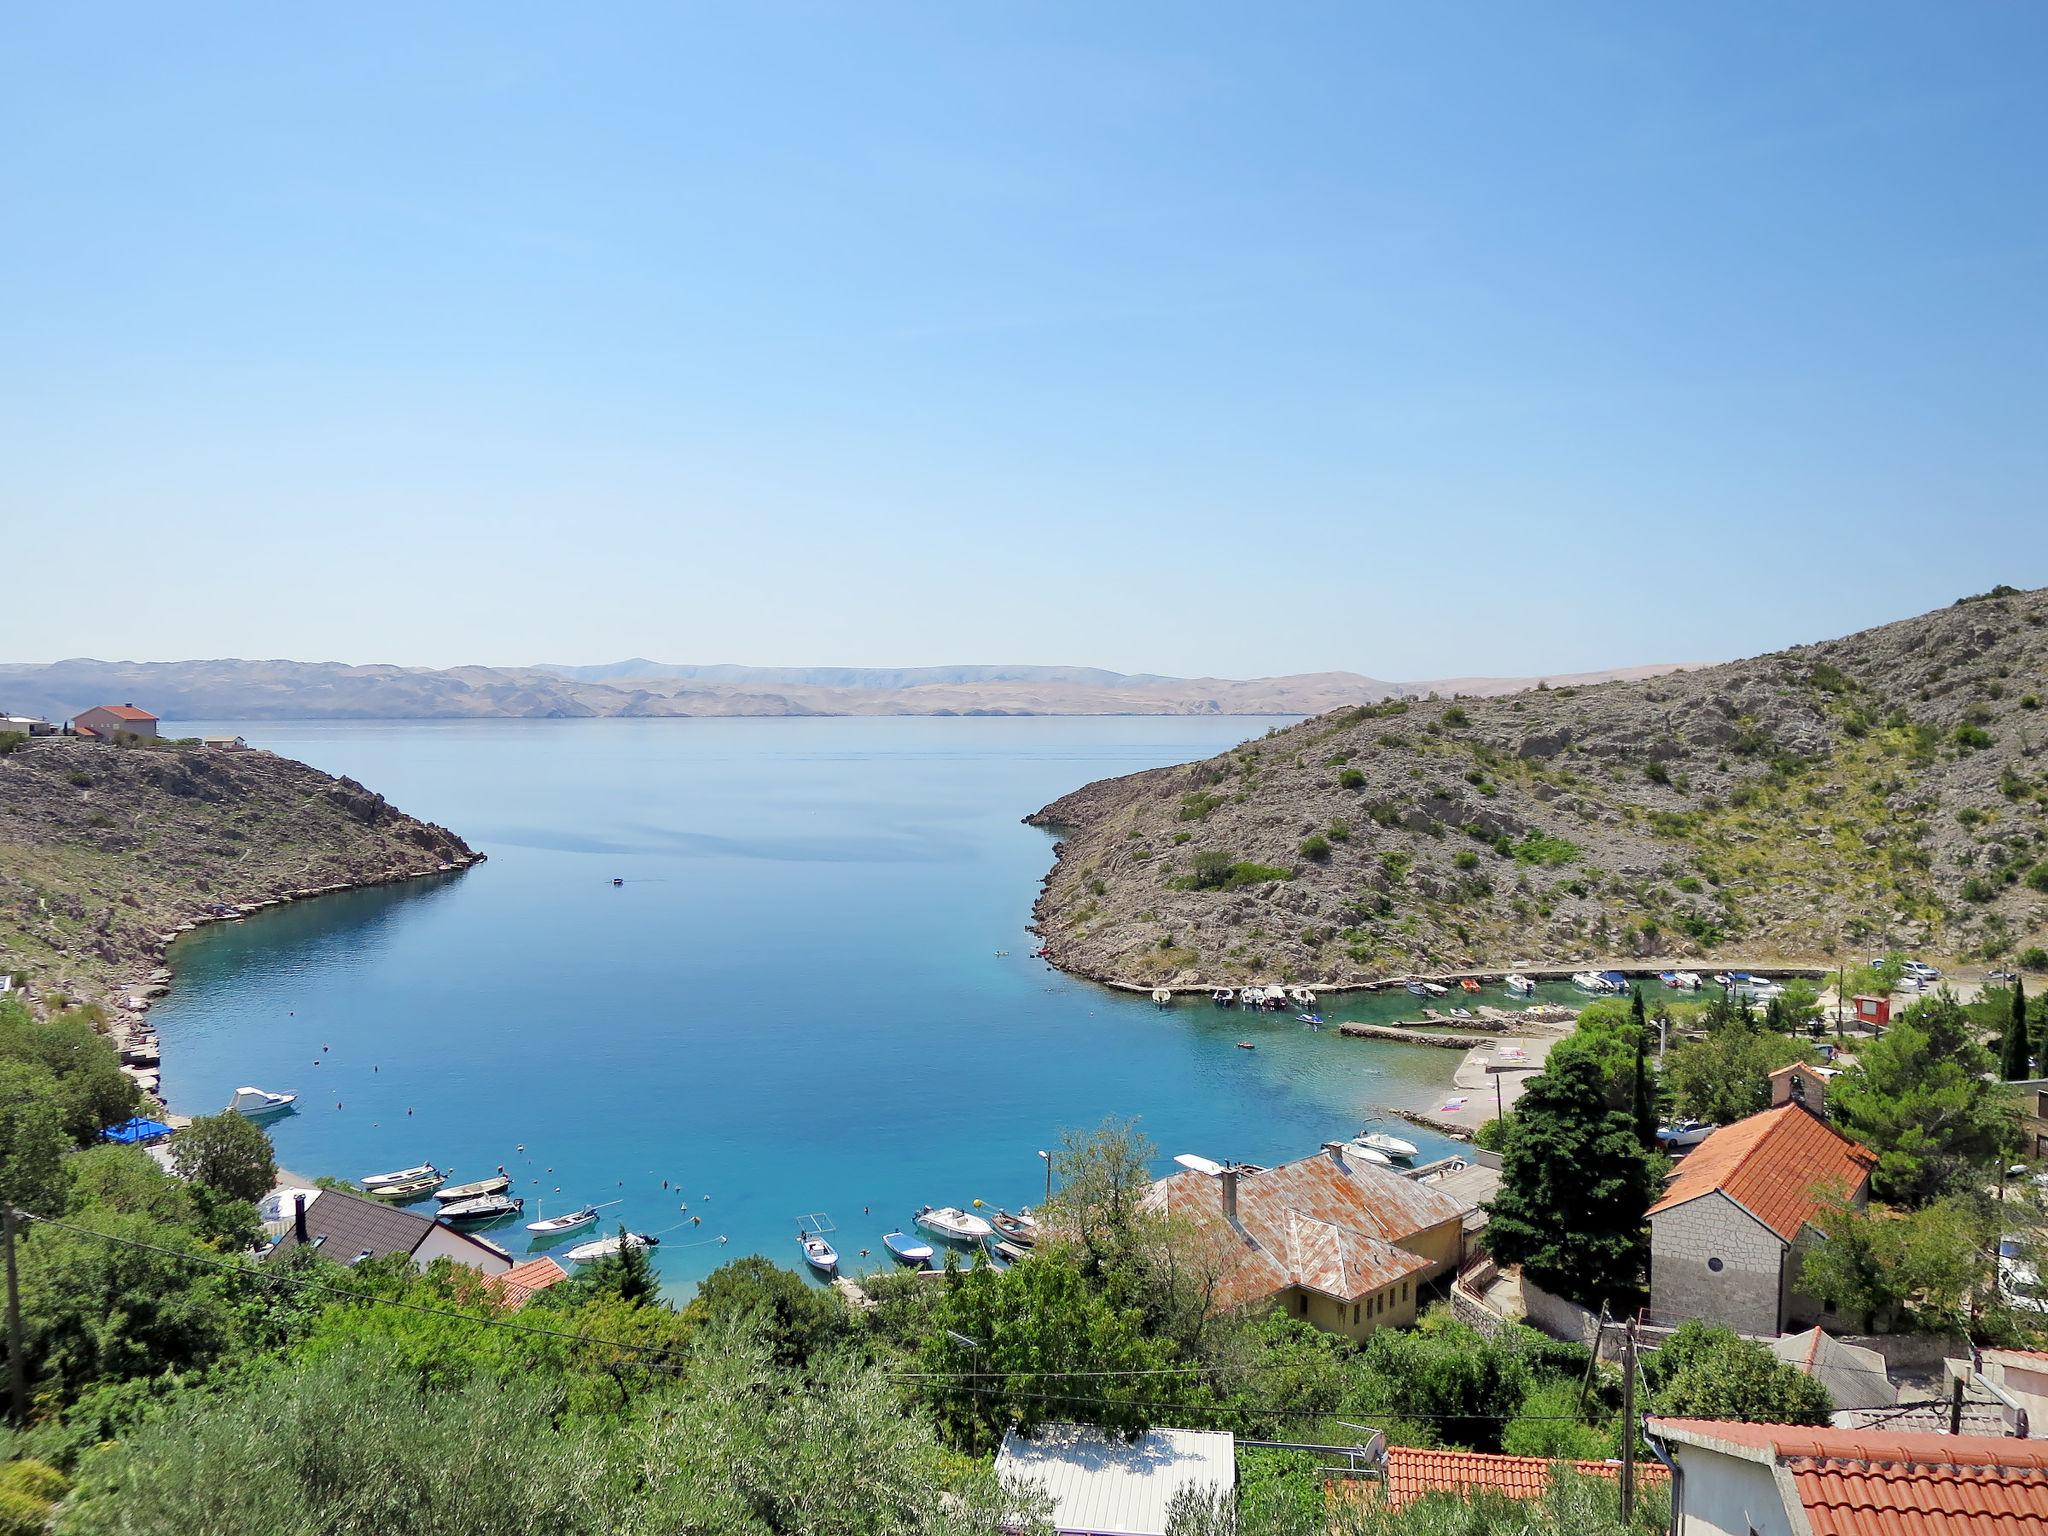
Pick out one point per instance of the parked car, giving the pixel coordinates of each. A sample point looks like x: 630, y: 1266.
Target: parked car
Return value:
x: 1919, y: 970
x: 2005, y: 976
x: 2020, y: 1284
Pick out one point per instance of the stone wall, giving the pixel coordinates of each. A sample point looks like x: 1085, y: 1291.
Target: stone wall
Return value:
x: 1568, y: 1320
x: 1711, y: 1259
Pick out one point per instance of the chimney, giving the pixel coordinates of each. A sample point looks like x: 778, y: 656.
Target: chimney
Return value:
x: 1336, y: 1151
x: 299, y: 1217
x: 1228, y: 1179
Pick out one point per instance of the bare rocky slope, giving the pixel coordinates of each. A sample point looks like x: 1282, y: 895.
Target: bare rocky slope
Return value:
x: 105, y: 850
x: 1883, y: 789
x: 638, y: 689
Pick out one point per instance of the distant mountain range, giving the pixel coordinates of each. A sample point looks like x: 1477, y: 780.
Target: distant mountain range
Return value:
x: 638, y: 688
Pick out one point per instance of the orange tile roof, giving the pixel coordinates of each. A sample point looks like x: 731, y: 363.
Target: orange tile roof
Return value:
x: 1857, y: 1482
x: 122, y: 712
x: 1328, y: 1226
x: 1776, y: 1166
x: 522, y: 1282
x: 1413, y: 1471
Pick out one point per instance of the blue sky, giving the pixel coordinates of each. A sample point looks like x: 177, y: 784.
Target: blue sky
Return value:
x: 1411, y: 340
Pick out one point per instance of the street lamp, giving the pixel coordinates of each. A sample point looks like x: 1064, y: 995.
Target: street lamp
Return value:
x: 1046, y: 1157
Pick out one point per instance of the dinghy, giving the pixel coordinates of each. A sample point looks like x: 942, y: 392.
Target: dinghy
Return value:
x: 413, y: 1175
x: 406, y: 1192
x: 1020, y: 1228
x: 954, y: 1224
x: 496, y: 1184
x: 554, y: 1226
x: 821, y: 1256
x: 905, y: 1249
x: 255, y: 1103
x: 483, y: 1208
x: 609, y: 1247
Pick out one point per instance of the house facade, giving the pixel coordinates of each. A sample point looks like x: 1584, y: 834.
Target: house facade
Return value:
x: 1729, y: 1236
x: 1734, y: 1479
x: 111, y: 721
x: 1338, y: 1242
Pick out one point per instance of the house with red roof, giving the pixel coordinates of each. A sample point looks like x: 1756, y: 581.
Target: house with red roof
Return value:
x: 111, y: 721
x: 1412, y: 1471
x: 1335, y: 1240
x: 1735, y: 1222
x: 522, y: 1282
x: 1734, y: 1479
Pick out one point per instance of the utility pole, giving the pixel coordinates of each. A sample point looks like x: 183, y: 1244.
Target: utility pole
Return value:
x: 17, y: 1356
x: 1628, y: 1421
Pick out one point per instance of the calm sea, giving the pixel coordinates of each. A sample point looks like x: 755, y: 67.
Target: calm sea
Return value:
x: 814, y: 992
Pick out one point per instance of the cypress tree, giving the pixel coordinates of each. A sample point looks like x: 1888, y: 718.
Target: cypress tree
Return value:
x: 2014, y: 1061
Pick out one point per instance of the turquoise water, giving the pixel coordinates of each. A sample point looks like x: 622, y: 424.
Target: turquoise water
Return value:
x: 794, y: 1004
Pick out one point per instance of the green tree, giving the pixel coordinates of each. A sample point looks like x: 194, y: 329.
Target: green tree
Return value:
x: 92, y: 1092
x: 1283, y: 1379
x: 1015, y: 1348
x: 2016, y: 1049
x: 1923, y: 1098
x: 1896, y: 1268
x: 1574, y: 1187
x: 1441, y: 1383
x: 1724, y: 1076
x: 32, y: 1139
x: 797, y: 1321
x: 1708, y: 1372
x: 228, y: 1153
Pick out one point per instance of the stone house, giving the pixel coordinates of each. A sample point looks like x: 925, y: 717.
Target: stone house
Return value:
x: 1338, y: 1242
x: 109, y: 721
x: 1736, y: 1220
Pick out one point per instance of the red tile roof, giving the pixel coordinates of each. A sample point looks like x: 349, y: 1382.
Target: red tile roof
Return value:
x: 522, y: 1282
x: 121, y: 712
x: 1859, y: 1482
x: 1777, y: 1166
x: 1413, y: 1471
x: 1328, y: 1226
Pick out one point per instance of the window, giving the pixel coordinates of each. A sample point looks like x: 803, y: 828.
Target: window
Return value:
x: 1301, y: 1303
x: 1714, y: 1265
x: 1404, y: 1290
x: 1354, y: 1314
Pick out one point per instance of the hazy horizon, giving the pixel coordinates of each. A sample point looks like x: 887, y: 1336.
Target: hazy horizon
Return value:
x: 1170, y: 339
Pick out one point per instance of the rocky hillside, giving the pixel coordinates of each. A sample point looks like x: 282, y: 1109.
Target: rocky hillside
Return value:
x: 1890, y: 788
x: 104, y: 850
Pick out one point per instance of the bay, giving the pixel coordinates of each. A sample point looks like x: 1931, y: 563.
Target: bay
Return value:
x: 812, y: 993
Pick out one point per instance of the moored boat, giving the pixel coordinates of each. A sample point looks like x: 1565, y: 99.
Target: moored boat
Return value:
x: 376, y: 1181
x: 1419, y: 988
x: 905, y: 1249
x: 1223, y: 997
x: 1686, y: 981
x: 406, y: 1191
x: 1367, y: 1154
x: 1161, y: 996
x: 1380, y: 1141
x: 1469, y: 985
x: 609, y: 1247
x: 820, y: 1255
x: 496, y: 1184
x: 554, y: 1226
x: 1588, y: 981
x: 1521, y: 985
x: 954, y: 1224
x: 483, y: 1208
x: 1020, y: 1228
x: 254, y: 1103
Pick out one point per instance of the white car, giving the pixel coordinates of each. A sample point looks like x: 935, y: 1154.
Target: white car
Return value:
x: 1919, y: 970
x: 2020, y: 1284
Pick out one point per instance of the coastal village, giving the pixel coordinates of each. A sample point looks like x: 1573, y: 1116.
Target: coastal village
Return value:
x: 1777, y: 1236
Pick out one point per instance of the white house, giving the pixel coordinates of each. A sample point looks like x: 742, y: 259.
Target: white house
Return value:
x: 1732, y: 1229
x: 1733, y: 1479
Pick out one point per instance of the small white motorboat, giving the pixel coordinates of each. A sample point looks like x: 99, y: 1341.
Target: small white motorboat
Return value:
x: 1161, y: 996
x: 554, y: 1226
x: 609, y: 1247
x: 1380, y: 1141
x: 821, y: 1255
x: 1302, y: 998
x: 496, y: 1184
x: 1686, y: 981
x: 1521, y: 985
x: 377, y: 1181
x: 1367, y: 1154
x: 905, y: 1249
x: 951, y: 1222
x: 483, y: 1208
x: 1223, y: 997
x: 1589, y: 981
x: 255, y: 1103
